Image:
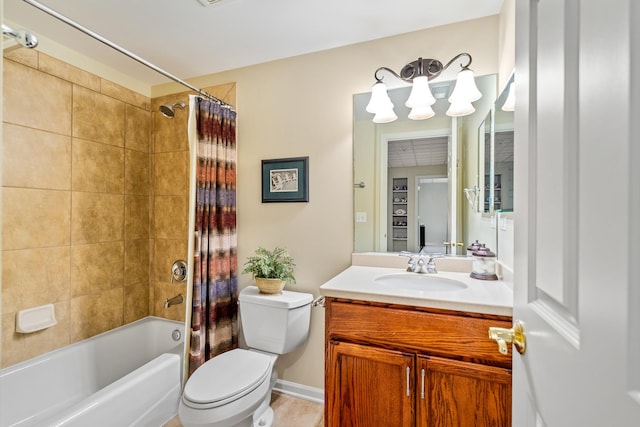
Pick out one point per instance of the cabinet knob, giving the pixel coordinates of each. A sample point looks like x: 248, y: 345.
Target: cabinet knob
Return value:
x: 515, y: 335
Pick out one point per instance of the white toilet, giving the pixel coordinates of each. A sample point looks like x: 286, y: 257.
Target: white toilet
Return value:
x: 234, y: 389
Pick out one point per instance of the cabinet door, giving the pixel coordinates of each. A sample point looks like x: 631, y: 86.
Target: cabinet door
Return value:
x: 368, y: 386
x: 462, y: 394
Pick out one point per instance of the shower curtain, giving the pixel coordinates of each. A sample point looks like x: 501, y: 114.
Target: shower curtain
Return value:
x: 214, y: 316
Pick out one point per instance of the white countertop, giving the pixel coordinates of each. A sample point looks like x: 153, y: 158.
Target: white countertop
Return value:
x: 480, y: 296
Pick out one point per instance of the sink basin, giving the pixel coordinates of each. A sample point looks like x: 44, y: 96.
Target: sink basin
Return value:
x: 420, y: 282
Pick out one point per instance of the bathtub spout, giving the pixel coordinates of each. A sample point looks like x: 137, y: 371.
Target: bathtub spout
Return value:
x: 178, y: 299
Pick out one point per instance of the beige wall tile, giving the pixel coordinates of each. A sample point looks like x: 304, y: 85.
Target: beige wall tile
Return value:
x: 97, y: 217
x: 170, y: 217
x: 34, y: 277
x: 170, y: 172
x: 35, y: 218
x: 35, y: 159
x: 136, y: 299
x: 36, y: 100
x: 137, y: 176
x: 97, y: 117
x: 126, y: 95
x: 51, y: 338
x: 97, y: 167
x: 138, y: 129
x: 170, y: 134
x: 65, y: 71
x: 136, y: 263
x: 166, y: 252
x: 28, y: 57
x: 96, y: 267
x: 137, y: 217
x: 18, y: 347
x: 12, y: 342
x: 93, y: 314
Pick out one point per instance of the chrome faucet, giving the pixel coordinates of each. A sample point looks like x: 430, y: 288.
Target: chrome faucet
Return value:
x: 420, y: 266
x: 178, y: 299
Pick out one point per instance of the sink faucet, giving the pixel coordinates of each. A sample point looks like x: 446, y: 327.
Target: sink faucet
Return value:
x: 420, y: 266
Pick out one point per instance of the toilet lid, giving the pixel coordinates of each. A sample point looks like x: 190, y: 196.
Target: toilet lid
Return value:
x: 227, y: 377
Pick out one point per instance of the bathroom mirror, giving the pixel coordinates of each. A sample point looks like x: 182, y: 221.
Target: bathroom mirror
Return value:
x: 485, y: 165
x: 427, y: 148
x: 503, y: 152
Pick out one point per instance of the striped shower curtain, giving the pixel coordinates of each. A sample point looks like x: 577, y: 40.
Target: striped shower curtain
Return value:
x: 214, y: 317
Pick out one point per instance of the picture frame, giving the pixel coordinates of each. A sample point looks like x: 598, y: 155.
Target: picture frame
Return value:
x: 285, y: 180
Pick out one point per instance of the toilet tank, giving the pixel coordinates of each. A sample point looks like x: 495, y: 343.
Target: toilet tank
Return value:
x: 274, y: 323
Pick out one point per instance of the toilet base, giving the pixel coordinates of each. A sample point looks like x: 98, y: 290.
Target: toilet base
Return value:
x: 264, y: 420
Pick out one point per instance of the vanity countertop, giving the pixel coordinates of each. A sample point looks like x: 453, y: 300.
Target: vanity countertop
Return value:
x: 480, y: 296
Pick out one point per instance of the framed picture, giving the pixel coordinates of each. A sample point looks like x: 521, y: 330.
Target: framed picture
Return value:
x: 285, y: 180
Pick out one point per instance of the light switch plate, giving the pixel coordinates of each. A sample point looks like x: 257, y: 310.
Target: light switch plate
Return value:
x: 361, y: 217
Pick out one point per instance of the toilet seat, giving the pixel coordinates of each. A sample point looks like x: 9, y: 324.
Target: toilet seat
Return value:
x: 225, y: 378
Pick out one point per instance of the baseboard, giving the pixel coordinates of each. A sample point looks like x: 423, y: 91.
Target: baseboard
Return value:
x: 302, y: 391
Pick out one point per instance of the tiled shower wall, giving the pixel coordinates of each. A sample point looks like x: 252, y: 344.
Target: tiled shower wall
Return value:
x: 76, y: 202
x: 95, y: 194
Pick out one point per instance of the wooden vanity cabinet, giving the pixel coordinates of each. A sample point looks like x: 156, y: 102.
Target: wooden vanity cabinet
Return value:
x: 407, y: 366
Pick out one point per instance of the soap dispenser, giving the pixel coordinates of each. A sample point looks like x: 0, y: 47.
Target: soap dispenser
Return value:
x: 483, y: 266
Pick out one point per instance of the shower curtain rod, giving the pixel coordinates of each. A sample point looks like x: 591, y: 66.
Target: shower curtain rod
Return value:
x: 122, y: 50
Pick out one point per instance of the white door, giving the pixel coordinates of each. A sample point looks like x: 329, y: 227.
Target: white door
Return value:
x: 577, y: 213
x: 433, y: 213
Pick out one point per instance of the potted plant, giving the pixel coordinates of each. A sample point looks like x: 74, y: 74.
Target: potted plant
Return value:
x: 270, y: 269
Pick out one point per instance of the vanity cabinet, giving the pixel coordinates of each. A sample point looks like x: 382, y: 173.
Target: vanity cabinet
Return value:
x: 393, y: 365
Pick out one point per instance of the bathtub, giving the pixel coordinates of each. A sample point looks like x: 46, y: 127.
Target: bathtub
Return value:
x: 129, y: 376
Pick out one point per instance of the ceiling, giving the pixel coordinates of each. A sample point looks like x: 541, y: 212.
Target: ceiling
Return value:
x: 408, y: 153
x: 188, y: 39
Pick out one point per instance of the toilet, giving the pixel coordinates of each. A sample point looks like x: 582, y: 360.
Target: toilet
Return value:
x: 234, y: 388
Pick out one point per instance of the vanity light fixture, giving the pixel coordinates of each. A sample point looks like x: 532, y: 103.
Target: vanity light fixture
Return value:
x: 420, y: 100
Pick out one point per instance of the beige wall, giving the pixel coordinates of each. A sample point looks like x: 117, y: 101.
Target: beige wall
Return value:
x: 302, y: 106
x: 506, y: 43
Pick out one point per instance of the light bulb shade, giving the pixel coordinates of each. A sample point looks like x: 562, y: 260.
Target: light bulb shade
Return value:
x: 421, y: 113
x: 379, y: 100
x: 510, y: 103
x: 385, y: 116
x: 466, y: 89
x: 420, y: 95
x: 459, y: 109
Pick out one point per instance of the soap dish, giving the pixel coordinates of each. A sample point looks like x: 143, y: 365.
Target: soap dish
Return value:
x: 35, y: 319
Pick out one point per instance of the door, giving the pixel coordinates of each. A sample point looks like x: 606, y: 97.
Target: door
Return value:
x: 577, y: 208
x: 433, y: 213
x: 370, y: 387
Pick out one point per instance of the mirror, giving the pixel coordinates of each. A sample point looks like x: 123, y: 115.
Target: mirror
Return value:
x: 421, y: 155
x: 485, y: 148
x: 503, y: 152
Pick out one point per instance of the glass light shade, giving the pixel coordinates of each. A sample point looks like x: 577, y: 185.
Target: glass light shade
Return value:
x: 385, y: 116
x: 466, y: 89
x: 379, y: 100
x: 420, y: 95
x: 459, y: 109
x: 421, y: 113
x: 510, y: 103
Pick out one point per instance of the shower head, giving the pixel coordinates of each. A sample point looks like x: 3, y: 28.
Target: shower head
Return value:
x: 23, y: 37
x: 168, y: 110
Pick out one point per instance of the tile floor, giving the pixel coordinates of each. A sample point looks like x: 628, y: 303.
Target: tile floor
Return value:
x: 289, y: 412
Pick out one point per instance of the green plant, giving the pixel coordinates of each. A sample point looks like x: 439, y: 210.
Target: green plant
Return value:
x: 276, y: 264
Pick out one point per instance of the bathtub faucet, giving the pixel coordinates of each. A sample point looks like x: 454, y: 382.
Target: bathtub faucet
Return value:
x: 178, y: 299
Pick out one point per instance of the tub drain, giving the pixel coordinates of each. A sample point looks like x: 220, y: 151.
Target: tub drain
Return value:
x: 176, y: 335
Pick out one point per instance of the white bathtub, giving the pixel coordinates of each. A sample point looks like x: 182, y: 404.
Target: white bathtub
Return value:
x: 129, y: 376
